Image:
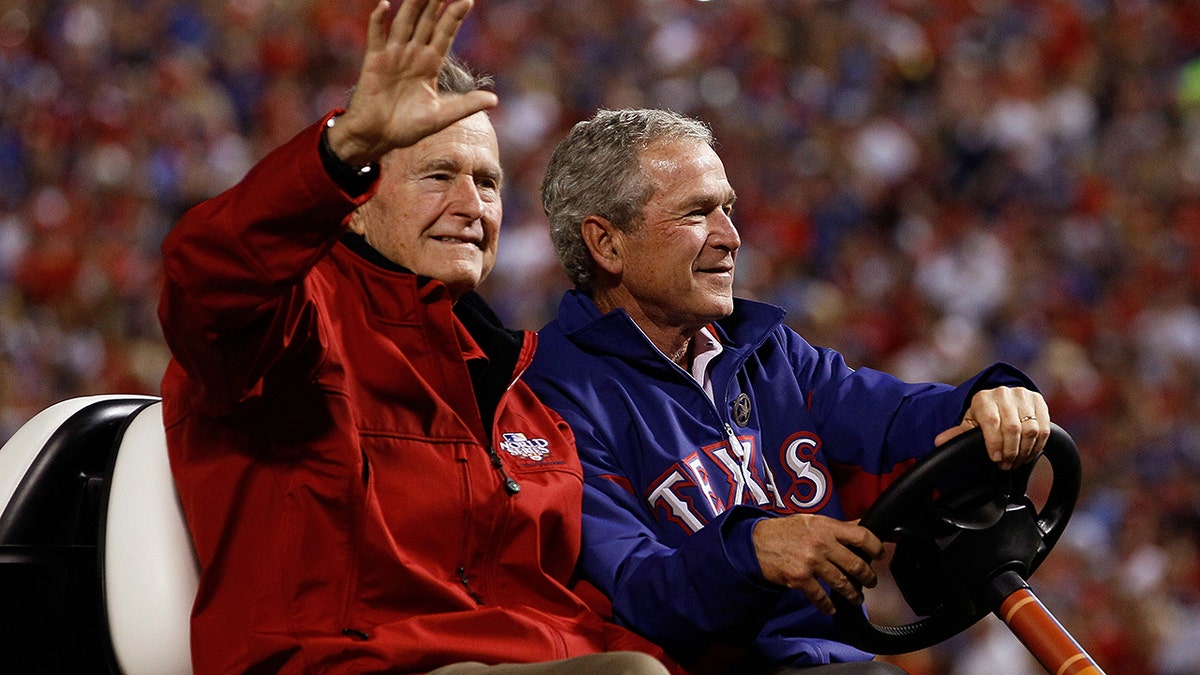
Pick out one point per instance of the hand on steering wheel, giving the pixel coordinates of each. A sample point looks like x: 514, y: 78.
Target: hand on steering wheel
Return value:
x: 958, y: 523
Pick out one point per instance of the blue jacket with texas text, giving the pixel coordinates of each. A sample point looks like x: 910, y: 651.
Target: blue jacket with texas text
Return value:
x: 674, y: 482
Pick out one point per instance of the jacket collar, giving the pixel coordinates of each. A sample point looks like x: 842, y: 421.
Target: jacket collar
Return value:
x: 358, y: 243
x: 616, y: 333
x: 499, y: 343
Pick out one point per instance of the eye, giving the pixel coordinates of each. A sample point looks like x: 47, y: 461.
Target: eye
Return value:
x: 703, y: 212
x: 438, y: 176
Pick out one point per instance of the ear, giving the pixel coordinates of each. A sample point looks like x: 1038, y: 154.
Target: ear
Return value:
x: 604, y: 241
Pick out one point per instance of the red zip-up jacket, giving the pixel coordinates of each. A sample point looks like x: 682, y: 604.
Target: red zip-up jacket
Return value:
x: 347, y: 501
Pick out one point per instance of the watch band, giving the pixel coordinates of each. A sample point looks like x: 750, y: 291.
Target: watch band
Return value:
x: 354, y: 180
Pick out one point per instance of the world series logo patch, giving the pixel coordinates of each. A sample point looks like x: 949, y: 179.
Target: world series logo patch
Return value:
x: 517, y: 445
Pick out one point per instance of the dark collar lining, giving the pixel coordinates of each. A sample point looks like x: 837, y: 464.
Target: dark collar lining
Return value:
x: 358, y: 243
x: 502, y: 346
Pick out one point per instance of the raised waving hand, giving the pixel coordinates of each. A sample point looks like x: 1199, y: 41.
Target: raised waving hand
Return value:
x: 396, y: 102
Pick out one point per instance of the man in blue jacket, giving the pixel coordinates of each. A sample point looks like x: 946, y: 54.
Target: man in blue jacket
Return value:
x: 725, y: 458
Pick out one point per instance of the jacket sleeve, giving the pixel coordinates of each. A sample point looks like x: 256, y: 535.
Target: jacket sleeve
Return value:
x: 234, y: 266
x: 684, y: 599
x: 874, y: 426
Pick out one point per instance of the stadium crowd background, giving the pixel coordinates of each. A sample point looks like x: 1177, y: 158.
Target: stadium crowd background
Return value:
x: 925, y: 185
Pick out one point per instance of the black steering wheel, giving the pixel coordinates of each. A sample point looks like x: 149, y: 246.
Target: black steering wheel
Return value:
x: 960, y: 526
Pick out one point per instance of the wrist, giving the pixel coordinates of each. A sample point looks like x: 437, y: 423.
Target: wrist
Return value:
x: 354, y: 179
x: 346, y: 143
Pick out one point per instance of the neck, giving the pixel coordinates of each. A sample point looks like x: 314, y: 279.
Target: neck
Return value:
x: 682, y: 356
x: 673, y: 341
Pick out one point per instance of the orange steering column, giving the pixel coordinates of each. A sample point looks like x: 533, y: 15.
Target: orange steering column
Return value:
x: 1043, y: 636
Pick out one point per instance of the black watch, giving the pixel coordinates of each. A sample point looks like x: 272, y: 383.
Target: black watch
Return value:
x: 354, y: 180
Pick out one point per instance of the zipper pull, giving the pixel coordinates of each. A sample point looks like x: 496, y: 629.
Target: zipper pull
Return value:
x: 735, y: 447
x: 735, y: 444
x: 466, y: 582
x: 511, y: 486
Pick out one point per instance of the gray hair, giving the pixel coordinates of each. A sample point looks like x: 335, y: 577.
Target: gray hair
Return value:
x: 455, y: 77
x: 596, y: 170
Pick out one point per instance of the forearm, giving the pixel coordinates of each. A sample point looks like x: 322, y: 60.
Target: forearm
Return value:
x: 688, y: 599
x: 235, y: 264
x: 261, y: 235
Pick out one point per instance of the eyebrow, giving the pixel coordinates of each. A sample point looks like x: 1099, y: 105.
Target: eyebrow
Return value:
x: 708, y: 200
x: 453, y: 165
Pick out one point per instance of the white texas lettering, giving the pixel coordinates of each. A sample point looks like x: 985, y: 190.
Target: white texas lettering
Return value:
x: 738, y: 465
x: 771, y: 487
x: 810, y: 486
x: 678, y: 508
x: 700, y: 474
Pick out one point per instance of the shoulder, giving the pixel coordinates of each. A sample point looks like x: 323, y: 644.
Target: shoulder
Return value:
x: 560, y: 368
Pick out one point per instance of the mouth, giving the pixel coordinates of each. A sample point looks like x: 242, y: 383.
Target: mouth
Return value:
x: 459, y: 240
x: 725, y: 268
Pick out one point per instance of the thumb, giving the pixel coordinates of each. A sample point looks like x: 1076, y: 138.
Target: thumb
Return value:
x: 952, y: 432
x: 464, y: 105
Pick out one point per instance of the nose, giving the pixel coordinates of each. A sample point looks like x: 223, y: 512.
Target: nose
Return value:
x: 465, y: 199
x: 722, y: 232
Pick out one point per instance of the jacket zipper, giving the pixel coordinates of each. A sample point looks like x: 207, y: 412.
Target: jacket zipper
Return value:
x: 730, y: 436
x: 735, y: 446
x: 511, y: 486
x: 466, y: 582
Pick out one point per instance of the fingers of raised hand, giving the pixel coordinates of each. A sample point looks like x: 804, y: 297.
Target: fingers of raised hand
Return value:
x: 422, y: 33
x: 398, y: 48
x: 448, y: 24
x: 395, y: 102
x: 428, y: 22
x: 377, y: 27
x: 405, y: 24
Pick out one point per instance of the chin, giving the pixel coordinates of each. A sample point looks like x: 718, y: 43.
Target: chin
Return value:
x: 453, y: 280
x: 460, y: 285
x: 715, y: 312
x: 723, y: 305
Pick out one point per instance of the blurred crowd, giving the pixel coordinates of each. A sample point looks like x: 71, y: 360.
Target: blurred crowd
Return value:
x: 925, y: 185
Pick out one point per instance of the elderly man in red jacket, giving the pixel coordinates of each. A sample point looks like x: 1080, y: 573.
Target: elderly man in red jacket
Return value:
x: 369, y: 484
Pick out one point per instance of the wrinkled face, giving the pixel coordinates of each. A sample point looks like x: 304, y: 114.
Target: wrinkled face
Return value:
x: 437, y: 210
x: 679, y: 266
